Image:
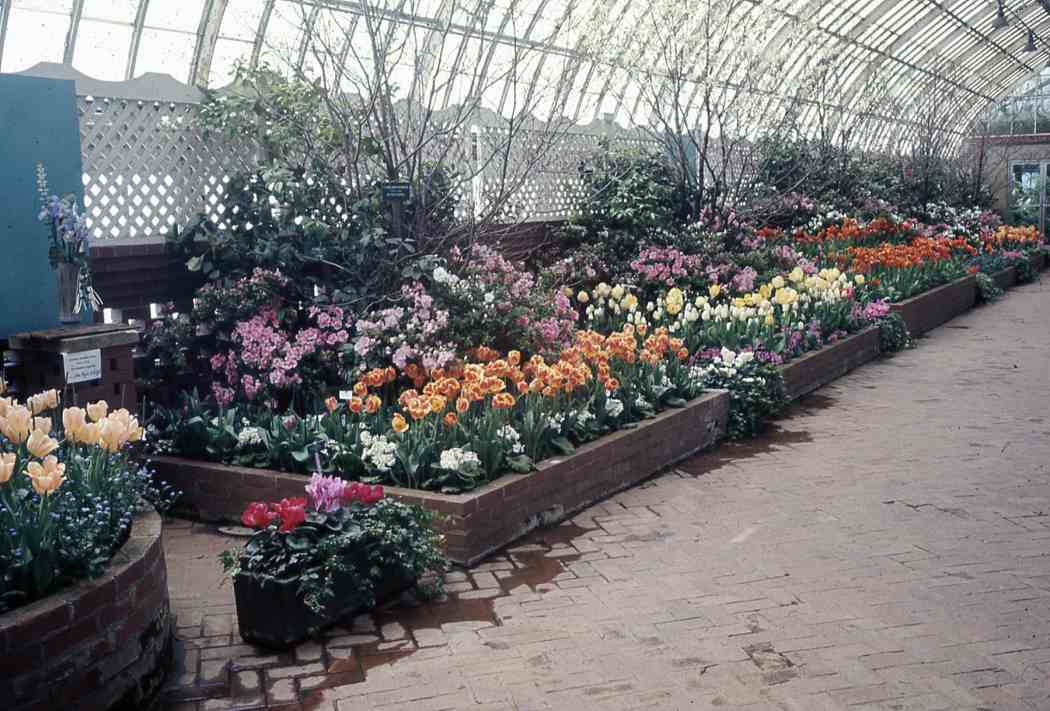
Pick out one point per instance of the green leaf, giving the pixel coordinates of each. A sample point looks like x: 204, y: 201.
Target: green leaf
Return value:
x: 675, y: 402
x: 520, y: 463
x: 563, y: 445
x: 301, y: 455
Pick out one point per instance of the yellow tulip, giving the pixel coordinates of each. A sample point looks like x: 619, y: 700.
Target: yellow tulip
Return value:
x: 859, y: 279
x: 42, y: 424
x: 112, y: 434
x: 17, y: 425
x: 5, y: 404
x: 785, y: 296
x: 778, y: 282
x: 73, y: 418
x: 769, y: 319
x: 674, y: 301
x: 399, y: 423
x: 47, y: 400
x: 47, y: 476
x: 40, y: 445
x: 583, y: 297
x: 7, y: 466
x: 714, y: 290
x: 97, y: 410
x: 87, y: 434
x: 797, y: 275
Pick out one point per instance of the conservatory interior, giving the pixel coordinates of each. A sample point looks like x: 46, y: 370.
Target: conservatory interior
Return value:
x: 524, y: 354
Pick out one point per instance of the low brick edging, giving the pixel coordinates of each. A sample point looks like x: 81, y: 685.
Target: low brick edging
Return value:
x: 818, y: 368
x: 481, y: 521
x: 932, y: 308
x: 1005, y: 278
x: 102, y: 644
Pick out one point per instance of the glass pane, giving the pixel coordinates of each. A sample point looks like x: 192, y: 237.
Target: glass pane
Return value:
x: 1025, y: 192
x: 241, y: 19
x: 182, y: 15
x: 102, y: 49
x: 112, y: 10
x: 36, y: 32
x: 227, y: 53
x: 166, y: 52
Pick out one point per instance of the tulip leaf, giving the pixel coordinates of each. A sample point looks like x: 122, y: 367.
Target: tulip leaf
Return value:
x: 563, y: 445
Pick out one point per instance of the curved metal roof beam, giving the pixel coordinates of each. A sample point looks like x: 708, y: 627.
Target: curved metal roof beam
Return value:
x: 207, y: 38
x: 136, y: 38
x: 75, y: 14
x: 260, y: 34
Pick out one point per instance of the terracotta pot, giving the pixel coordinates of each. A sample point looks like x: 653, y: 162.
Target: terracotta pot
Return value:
x: 67, y: 275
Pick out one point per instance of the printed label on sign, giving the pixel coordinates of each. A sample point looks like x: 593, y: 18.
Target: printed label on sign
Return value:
x: 83, y: 366
x: 346, y: 394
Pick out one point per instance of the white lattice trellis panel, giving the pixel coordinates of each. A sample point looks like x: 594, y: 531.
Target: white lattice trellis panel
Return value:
x: 147, y: 167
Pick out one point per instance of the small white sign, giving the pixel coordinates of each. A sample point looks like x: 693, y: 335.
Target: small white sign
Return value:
x: 346, y: 394
x: 83, y: 366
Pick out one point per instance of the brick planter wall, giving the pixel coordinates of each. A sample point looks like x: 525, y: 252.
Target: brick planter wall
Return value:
x: 101, y: 644
x: 811, y: 371
x: 484, y: 520
x: 927, y: 311
x: 1005, y: 278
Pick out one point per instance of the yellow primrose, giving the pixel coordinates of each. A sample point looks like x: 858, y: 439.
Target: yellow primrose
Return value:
x: 7, y: 466
x: 47, y: 476
x: 859, y: 279
x: 40, y: 444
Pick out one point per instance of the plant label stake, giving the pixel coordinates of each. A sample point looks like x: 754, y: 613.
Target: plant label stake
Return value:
x: 396, y: 195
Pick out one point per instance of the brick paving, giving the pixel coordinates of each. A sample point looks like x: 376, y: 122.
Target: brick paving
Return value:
x: 885, y: 547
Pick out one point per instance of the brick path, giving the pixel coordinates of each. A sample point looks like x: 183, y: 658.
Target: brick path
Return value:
x: 886, y: 547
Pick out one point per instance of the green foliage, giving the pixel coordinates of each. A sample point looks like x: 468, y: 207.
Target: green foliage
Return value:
x: 369, y: 544
x: 627, y: 195
x: 987, y: 290
x: 893, y: 333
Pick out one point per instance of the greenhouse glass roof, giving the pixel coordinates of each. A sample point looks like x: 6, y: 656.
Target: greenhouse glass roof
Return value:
x: 953, y: 57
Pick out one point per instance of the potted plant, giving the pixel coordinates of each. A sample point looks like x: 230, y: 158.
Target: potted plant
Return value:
x: 68, y: 252
x: 313, y: 561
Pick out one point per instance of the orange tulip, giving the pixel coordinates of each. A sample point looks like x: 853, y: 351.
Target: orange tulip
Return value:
x: 399, y: 423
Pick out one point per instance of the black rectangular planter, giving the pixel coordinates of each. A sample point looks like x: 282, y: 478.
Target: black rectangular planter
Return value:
x: 272, y: 613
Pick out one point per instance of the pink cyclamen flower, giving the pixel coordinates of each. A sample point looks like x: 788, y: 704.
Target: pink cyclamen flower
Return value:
x: 326, y: 492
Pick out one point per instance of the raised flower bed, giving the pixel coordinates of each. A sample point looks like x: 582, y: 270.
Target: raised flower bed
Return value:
x: 818, y: 368
x: 101, y: 644
x: 929, y: 310
x: 481, y: 521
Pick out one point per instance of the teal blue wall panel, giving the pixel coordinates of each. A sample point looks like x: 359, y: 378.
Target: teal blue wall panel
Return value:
x: 38, y: 123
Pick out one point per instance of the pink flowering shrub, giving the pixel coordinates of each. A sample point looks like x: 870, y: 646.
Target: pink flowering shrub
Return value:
x: 271, y: 355
x: 414, y: 331
x: 665, y: 265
